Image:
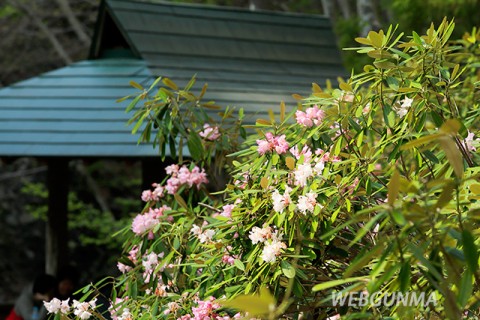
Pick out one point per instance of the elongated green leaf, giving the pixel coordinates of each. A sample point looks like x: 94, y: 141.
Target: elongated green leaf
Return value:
x: 180, y: 201
x: 239, y: 264
x: 453, y: 154
x: 470, y: 250
x: 195, y: 145
x: 136, y: 85
x: 420, y: 141
x: 465, y: 288
x: 132, y: 104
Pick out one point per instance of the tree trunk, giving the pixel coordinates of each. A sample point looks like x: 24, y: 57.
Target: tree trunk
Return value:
x: 76, y: 26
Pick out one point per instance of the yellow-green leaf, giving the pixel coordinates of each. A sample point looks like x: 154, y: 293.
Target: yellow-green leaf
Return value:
x: 255, y: 305
x: 297, y: 96
x: 451, y: 126
x: 393, y: 187
x: 364, y: 41
x: 453, y: 154
x: 264, y: 182
x: 136, y: 85
x: 180, y: 201
x: 290, y: 162
x: 169, y: 83
x: 419, y: 141
x: 316, y: 88
x: 264, y: 122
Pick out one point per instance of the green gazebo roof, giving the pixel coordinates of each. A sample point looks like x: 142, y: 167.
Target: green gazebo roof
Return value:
x: 250, y: 59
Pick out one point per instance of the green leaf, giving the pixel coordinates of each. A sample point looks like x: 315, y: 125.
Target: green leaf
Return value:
x: 419, y: 254
x: 470, y: 250
x: 404, y: 276
x: 418, y: 40
x: 132, y: 104
x: 465, y: 288
x: 195, y: 146
x: 239, y: 264
x: 287, y: 269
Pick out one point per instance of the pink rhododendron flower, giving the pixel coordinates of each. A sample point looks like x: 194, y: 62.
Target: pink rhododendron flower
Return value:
x: 209, y: 133
x: 123, y: 268
x: 84, y: 310
x: 183, y: 176
x: 260, y: 234
x: 311, y: 116
x: 302, y: 173
x: 226, y: 212
x: 172, y: 307
x: 272, y: 250
x: 280, y: 202
x: 205, y: 309
x: 468, y: 142
x: 279, y: 144
x: 205, y: 236
x: 144, y: 222
x: 172, y: 169
x: 132, y: 254
x: 155, y: 195
x: 150, y: 263
x: 307, y: 202
x: 56, y: 305
x: 306, y: 152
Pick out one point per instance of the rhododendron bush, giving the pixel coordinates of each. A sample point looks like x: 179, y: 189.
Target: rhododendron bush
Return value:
x: 368, y: 187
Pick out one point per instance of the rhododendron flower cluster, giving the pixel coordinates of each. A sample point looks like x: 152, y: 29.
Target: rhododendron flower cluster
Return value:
x: 57, y: 305
x: 306, y: 152
x: 402, y: 110
x: 204, y: 236
x: 280, y: 202
x: 312, y: 116
x: 82, y: 310
x: 146, y: 222
x: 272, y: 242
x: 226, y: 211
x: 150, y: 263
x: 209, y: 133
x: 155, y: 194
x: 307, y: 202
x: 277, y: 143
x: 184, y: 176
x: 208, y: 310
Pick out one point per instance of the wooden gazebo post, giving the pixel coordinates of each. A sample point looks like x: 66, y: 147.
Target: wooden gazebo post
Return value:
x: 56, y: 247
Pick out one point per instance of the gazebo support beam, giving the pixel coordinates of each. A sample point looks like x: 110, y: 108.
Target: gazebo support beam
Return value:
x: 56, y: 250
